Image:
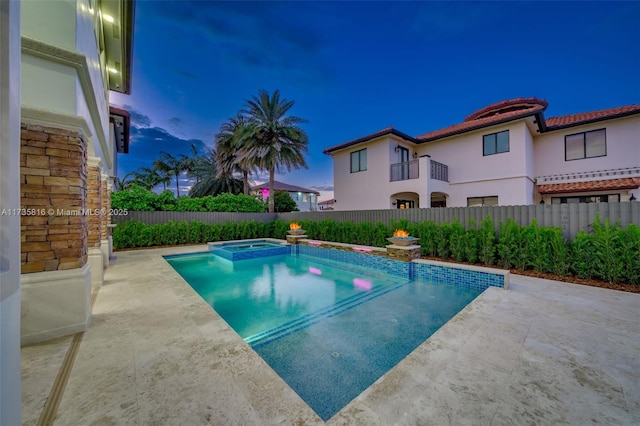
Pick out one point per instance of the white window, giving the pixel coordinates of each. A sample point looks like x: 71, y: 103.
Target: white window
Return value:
x: 585, y: 145
x: 482, y: 201
x: 359, y: 161
x: 495, y: 143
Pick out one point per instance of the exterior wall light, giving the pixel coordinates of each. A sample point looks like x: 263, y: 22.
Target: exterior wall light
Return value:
x: 632, y: 198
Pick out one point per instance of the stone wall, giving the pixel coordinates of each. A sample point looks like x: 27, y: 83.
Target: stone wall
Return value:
x: 53, y: 175
x: 106, y: 205
x: 94, y: 204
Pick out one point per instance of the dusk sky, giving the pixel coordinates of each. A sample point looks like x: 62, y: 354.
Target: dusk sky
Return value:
x: 353, y: 68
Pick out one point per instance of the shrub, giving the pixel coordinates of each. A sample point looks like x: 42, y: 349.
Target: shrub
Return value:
x: 135, y: 198
x: 509, y: 248
x: 609, y: 253
x: 284, y: 203
x: 486, y: 241
x: 457, y: 241
x: 608, y: 257
x: 235, y: 203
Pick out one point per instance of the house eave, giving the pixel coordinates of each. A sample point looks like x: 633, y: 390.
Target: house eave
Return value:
x: 394, y: 132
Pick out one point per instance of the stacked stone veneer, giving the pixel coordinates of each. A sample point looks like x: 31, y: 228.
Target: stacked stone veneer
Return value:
x: 94, y: 204
x: 53, y: 176
x: 106, y: 205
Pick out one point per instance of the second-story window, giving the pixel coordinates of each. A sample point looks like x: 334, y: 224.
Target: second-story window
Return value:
x: 359, y: 161
x: 585, y: 145
x: 495, y: 143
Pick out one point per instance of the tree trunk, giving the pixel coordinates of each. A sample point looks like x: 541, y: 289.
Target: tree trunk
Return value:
x: 272, y: 201
x: 178, y: 184
x: 245, y: 182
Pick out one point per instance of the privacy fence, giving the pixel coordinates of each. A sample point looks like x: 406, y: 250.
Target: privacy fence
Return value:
x: 572, y: 218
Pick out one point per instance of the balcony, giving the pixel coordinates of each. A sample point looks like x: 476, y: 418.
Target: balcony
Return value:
x: 404, y: 171
x: 439, y: 171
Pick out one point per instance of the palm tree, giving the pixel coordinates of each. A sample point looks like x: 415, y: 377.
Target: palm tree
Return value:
x: 229, y: 140
x: 174, y: 166
x: 164, y: 177
x: 125, y: 182
x: 276, y: 141
x: 208, y: 179
x: 147, y: 178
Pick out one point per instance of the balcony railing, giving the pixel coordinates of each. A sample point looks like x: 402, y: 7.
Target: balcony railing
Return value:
x: 404, y: 171
x: 439, y: 171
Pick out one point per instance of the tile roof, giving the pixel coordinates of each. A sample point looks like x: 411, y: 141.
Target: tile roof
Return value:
x: 281, y: 186
x: 479, y: 123
x: 386, y: 131
x: 501, y: 112
x: 589, y: 117
x: 595, y: 185
x: 506, y: 106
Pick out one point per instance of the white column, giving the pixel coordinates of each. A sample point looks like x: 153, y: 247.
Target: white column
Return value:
x: 10, y: 386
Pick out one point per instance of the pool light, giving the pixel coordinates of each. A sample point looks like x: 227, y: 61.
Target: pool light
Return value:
x: 362, y: 249
x: 362, y: 283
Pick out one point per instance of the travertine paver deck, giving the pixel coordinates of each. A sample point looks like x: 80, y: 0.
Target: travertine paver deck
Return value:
x: 542, y: 352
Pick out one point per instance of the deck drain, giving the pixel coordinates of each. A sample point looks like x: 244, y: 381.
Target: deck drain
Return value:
x: 335, y: 354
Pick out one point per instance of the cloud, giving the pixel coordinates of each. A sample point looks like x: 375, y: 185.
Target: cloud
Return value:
x: 147, y: 145
x: 274, y: 38
x: 186, y: 74
x: 137, y: 118
x: 445, y: 19
x: 322, y: 187
x: 176, y: 121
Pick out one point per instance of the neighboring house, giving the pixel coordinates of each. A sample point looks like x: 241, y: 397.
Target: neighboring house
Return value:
x: 326, y: 204
x: 504, y: 154
x: 73, y: 54
x: 306, y: 199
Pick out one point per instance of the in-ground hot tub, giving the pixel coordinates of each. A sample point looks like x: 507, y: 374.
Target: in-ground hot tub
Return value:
x: 249, y: 249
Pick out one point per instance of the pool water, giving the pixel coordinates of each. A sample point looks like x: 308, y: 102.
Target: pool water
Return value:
x: 329, y: 329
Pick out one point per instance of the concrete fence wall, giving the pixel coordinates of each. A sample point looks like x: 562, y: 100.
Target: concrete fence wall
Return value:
x: 572, y: 218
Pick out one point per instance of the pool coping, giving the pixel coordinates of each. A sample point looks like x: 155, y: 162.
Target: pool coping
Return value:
x: 474, y: 369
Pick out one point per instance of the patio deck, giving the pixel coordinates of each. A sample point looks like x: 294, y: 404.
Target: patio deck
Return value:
x: 542, y: 352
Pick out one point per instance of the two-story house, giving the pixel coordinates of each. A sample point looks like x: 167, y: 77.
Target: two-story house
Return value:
x: 306, y: 199
x: 507, y: 153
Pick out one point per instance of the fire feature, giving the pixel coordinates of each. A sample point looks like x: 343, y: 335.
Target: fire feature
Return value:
x: 402, y: 238
x: 400, y: 233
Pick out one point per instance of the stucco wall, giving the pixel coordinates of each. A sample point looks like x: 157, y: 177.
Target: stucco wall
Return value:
x: 473, y: 175
x: 53, y: 22
x: 55, y: 85
x: 10, y: 295
x: 623, y: 148
x: 369, y: 189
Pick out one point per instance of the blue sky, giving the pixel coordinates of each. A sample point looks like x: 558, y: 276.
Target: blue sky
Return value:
x: 353, y: 68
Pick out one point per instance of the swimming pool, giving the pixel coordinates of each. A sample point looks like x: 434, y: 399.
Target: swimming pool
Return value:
x: 328, y: 328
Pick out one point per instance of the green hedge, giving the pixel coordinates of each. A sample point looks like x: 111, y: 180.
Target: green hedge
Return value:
x: 609, y: 253
x: 140, y: 199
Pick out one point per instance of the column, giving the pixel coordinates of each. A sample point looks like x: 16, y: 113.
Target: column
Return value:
x: 94, y: 221
x: 56, y: 280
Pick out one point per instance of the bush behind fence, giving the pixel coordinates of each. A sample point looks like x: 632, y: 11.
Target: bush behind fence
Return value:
x: 571, y: 218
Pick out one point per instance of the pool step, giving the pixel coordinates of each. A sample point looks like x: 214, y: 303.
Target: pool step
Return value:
x: 276, y: 333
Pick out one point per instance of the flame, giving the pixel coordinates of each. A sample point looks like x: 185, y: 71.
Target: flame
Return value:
x: 400, y: 233
x: 293, y: 226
